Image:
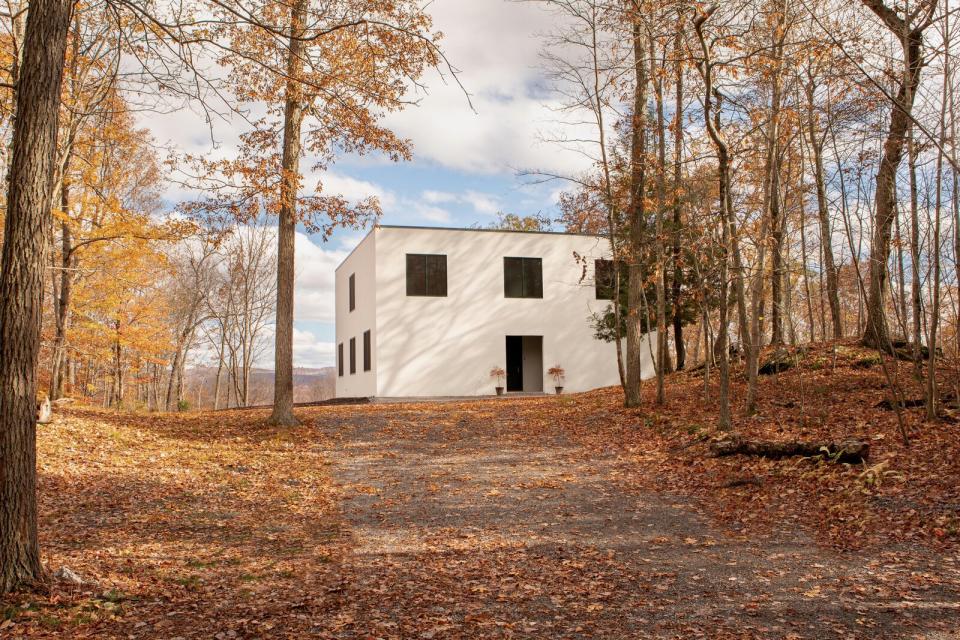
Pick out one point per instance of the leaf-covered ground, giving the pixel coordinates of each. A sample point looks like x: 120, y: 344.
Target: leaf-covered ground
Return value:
x: 545, y: 517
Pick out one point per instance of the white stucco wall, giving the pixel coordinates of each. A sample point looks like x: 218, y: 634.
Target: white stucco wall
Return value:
x: 435, y: 346
x: 352, y: 324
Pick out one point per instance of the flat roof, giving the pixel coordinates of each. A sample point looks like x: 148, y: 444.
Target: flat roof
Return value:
x: 428, y: 228
x: 555, y: 233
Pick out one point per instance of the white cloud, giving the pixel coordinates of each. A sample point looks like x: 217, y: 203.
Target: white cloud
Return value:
x: 308, y: 351
x: 481, y: 202
x: 496, y: 44
x: 314, y: 288
x: 431, y: 213
x: 354, y: 190
x: 435, y: 197
x: 350, y: 239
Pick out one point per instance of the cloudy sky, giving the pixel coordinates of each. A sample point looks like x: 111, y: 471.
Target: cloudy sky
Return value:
x: 466, y: 161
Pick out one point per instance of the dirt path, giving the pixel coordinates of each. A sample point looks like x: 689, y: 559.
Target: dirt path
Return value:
x: 459, y: 532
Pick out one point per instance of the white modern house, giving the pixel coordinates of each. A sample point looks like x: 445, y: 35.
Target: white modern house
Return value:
x: 424, y: 311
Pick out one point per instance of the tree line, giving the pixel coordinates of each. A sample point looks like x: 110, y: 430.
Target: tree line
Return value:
x: 767, y: 173
x: 128, y: 291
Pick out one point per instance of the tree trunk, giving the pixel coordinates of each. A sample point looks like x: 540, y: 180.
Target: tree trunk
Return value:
x: 663, y: 355
x: 637, y: 219
x: 823, y: 215
x: 848, y: 451
x: 183, y: 365
x: 728, y: 236
x: 677, y: 284
x: 932, y: 392
x: 58, y: 368
x: 774, y: 157
x: 776, y: 230
x: 915, y: 302
x: 216, y: 386
x: 803, y: 257
x: 24, y: 260
x: 287, y: 227
x: 848, y: 232
x: 171, y: 402
x: 617, y: 311
x: 876, y: 333
x: 118, y: 370
x: 900, y: 309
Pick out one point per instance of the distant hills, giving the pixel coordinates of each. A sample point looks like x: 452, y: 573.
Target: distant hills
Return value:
x: 309, y: 385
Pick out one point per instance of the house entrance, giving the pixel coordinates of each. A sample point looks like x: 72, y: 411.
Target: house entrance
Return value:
x: 525, y: 363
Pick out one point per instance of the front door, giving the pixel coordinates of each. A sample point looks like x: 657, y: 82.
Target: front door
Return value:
x: 514, y: 363
x: 533, y: 364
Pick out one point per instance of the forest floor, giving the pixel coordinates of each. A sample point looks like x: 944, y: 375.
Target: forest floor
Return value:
x: 552, y: 517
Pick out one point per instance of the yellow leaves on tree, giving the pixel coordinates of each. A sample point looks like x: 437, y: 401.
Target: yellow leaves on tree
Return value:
x: 359, y: 59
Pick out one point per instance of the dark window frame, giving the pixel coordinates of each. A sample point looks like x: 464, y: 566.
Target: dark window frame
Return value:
x: 353, y: 356
x: 522, y: 277
x: 353, y: 291
x: 426, y: 275
x: 340, y: 360
x: 367, y: 356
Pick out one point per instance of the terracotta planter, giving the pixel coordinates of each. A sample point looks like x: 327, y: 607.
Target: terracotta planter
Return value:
x: 499, y: 391
x: 559, y: 390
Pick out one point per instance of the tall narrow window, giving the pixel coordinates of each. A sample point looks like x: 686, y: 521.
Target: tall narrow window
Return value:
x: 340, y: 359
x: 603, y: 279
x: 353, y: 291
x: 523, y: 277
x: 426, y: 275
x: 366, y: 350
x: 353, y: 356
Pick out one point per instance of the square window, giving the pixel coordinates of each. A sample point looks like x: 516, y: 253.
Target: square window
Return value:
x: 523, y: 278
x: 426, y: 275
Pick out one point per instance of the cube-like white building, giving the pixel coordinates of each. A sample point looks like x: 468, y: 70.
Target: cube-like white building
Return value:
x: 424, y: 311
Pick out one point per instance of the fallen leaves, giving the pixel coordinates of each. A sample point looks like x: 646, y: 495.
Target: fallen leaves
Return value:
x: 542, y: 517
x: 172, y: 520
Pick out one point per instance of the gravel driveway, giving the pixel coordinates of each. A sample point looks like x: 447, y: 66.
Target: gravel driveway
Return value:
x: 460, y: 532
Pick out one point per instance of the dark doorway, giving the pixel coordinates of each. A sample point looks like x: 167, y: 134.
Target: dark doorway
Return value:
x: 525, y: 363
x: 514, y: 363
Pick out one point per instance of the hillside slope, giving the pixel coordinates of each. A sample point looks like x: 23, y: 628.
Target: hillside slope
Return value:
x: 832, y: 393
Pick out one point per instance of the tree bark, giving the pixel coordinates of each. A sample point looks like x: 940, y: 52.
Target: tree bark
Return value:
x: 118, y: 370
x: 932, y: 391
x: 876, y: 333
x: 773, y: 185
x: 915, y: 302
x: 676, y: 288
x: 728, y: 236
x: 216, y: 386
x: 852, y: 451
x: 172, y: 401
x: 663, y: 355
x: 62, y: 306
x: 24, y: 259
x: 823, y: 214
x: 287, y: 226
x: 637, y: 219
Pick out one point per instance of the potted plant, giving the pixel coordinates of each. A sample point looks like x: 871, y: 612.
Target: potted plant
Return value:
x: 498, y: 373
x: 558, y: 374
